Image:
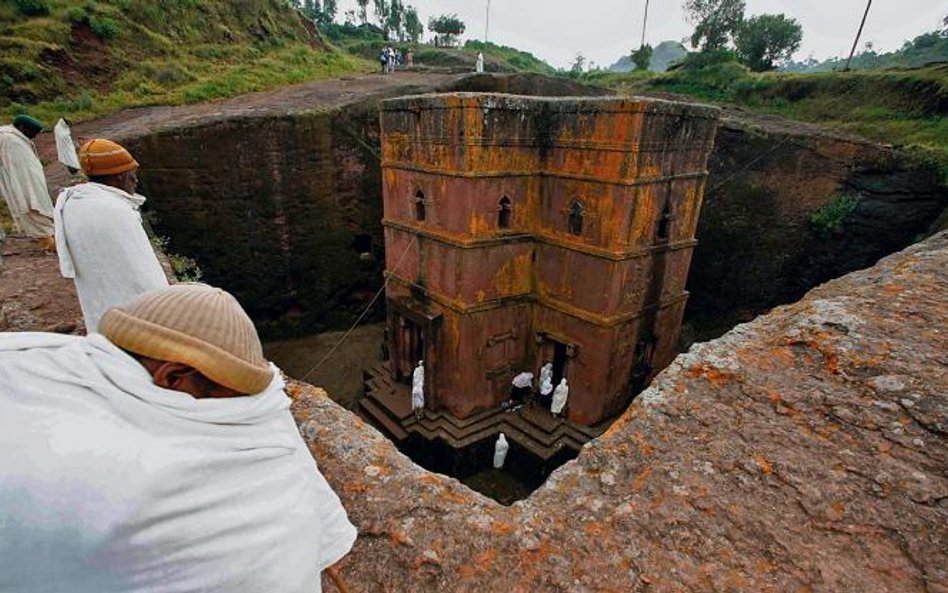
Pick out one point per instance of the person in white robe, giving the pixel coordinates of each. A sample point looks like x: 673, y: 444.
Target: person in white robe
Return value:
x: 546, y: 381
x: 101, y: 243
x: 418, y: 390
x: 500, y: 451
x: 479, y: 63
x: 560, y: 394
x: 65, y: 147
x: 160, y: 457
x: 22, y: 181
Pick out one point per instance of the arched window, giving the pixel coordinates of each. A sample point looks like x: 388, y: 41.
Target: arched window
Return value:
x: 664, y: 222
x: 504, y: 213
x: 576, y: 218
x: 420, y: 213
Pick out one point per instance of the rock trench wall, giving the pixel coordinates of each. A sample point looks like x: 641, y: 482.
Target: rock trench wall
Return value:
x: 804, y: 451
x: 278, y: 207
x: 757, y: 247
x: 272, y: 208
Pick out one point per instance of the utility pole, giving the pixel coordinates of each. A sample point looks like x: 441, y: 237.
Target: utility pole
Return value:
x: 644, y: 21
x: 487, y: 25
x: 858, y: 33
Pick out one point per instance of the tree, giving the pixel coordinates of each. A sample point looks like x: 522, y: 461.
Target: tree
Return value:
x: 764, y: 40
x: 395, y: 22
x: 716, y: 21
x: 642, y: 57
x: 322, y: 13
x: 363, y: 10
x: 413, y: 26
x: 447, y: 29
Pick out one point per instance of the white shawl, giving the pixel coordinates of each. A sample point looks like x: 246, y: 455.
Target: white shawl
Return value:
x: 109, y: 483
x: 23, y: 183
x: 65, y: 147
x: 102, y: 245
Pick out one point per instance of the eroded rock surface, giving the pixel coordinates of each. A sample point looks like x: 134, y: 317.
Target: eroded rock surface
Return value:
x: 804, y: 451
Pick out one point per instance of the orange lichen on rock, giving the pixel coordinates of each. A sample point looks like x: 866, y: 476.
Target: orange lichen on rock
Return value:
x: 764, y: 465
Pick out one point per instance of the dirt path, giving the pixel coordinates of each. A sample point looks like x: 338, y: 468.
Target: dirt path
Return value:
x: 310, y: 96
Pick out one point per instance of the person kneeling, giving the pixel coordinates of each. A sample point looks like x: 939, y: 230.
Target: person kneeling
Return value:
x: 159, y: 455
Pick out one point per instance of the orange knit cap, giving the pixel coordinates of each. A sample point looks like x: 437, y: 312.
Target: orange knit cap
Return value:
x: 104, y: 157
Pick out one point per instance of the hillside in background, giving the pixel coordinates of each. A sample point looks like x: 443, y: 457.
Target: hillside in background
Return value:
x: 664, y: 55
x: 906, y: 107
x: 925, y: 49
x: 86, y: 58
x: 366, y: 41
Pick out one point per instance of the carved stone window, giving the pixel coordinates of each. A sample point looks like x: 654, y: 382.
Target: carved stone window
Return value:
x: 420, y: 213
x: 575, y: 222
x: 504, y: 213
x: 664, y: 222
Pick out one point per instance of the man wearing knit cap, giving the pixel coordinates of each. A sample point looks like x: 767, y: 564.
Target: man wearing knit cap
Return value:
x: 22, y: 181
x: 159, y: 456
x: 99, y: 234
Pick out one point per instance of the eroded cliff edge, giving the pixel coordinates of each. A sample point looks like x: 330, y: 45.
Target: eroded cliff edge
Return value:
x: 804, y: 451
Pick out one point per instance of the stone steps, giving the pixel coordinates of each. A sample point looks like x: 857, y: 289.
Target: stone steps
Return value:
x: 388, y: 403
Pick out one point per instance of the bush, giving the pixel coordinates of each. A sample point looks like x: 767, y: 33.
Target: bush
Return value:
x: 32, y: 7
x: 829, y: 219
x: 76, y: 14
x: 104, y: 27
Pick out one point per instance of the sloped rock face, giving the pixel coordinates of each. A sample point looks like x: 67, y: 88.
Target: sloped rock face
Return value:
x: 767, y: 178
x: 805, y: 451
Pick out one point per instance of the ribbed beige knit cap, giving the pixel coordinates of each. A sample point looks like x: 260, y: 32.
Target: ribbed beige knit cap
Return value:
x: 197, y: 325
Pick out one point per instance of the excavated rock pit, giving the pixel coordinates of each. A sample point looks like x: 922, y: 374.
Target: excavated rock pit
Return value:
x: 278, y: 197
x: 804, y: 451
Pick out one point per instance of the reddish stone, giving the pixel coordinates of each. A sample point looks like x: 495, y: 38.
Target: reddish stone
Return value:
x: 521, y: 231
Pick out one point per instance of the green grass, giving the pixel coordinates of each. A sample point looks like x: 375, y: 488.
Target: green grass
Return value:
x: 88, y: 58
x: 906, y: 108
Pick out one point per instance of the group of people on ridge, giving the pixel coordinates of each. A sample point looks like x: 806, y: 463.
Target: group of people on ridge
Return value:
x: 389, y: 57
x: 158, y: 452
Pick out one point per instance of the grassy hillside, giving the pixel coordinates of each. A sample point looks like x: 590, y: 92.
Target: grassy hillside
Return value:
x: 86, y: 58
x: 365, y: 41
x: 902, y: 107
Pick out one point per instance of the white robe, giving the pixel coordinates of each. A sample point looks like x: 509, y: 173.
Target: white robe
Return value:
x: 479, y: 63
x: 418, y: 388
x: 23, y: 184
x: 559, y: 397
x: 500, y: 451
x: 546, y: 379
x: 109, y: 483
x: 102, y: 245
x: 65, y: 147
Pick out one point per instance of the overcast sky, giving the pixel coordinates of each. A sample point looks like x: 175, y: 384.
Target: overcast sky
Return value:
x: 604, y: 30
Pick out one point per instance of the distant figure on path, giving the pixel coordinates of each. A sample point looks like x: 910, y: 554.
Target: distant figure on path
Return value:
x: 409, y: 58
x: 99, y: 233
x: 22, y: 181
x: 418, y: 390
x: 560, y: 394
x: 65, y: 147
x: 479, y: 63
x: 158, y: 456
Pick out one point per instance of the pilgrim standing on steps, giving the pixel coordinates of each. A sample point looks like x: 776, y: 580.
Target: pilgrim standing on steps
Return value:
x: 99, y: 234
x: 418, y: 390
x: 22, y: 181
x: 559, y: 397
